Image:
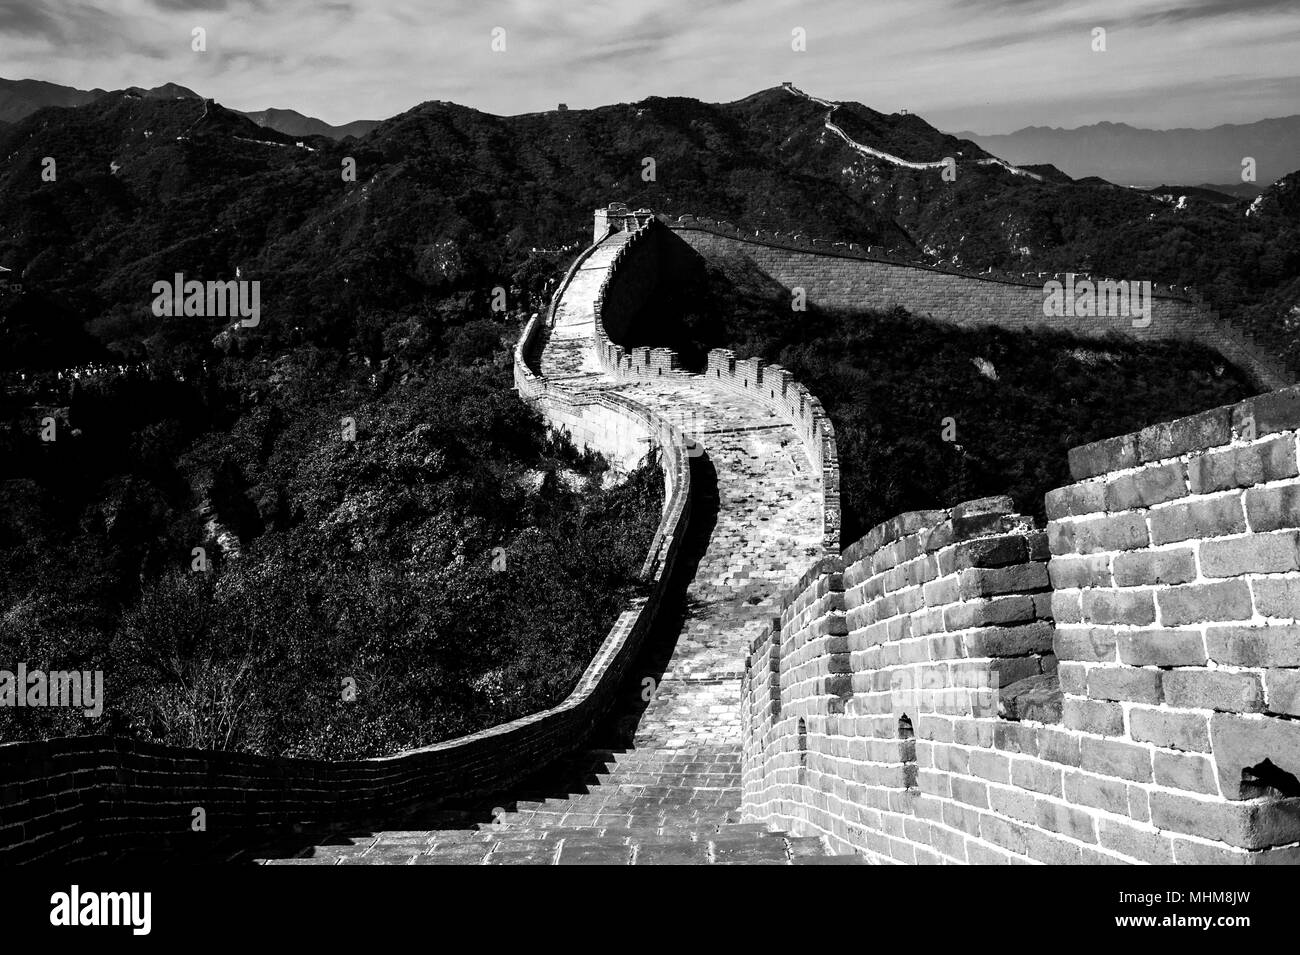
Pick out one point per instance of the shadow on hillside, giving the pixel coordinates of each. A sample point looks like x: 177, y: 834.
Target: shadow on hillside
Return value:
x: 571, y: 775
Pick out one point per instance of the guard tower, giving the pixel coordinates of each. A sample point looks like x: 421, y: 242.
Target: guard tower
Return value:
x: 616, y: 217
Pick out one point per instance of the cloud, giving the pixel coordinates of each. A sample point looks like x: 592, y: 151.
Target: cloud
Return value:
x: 21, y: 18
x: 984, y: 64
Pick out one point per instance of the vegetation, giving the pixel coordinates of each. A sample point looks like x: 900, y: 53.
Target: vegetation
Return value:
x: 1018, y: 401
x: 453, y: 563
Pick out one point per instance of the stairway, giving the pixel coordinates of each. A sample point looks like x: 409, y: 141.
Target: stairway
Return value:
x: 631, y: 807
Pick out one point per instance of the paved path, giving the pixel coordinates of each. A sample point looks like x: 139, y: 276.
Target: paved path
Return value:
x: 668, y: 788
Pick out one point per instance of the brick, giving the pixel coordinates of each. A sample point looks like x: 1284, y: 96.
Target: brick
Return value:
x: 1073, y: 678
x: 989, y: 765
x: 1075, y: 499
x: 1117, y: 532
x: 1191, y: 772
x: 1059, y: 746
x: 1037, y: 776
x: 1089, y: 644
x: 1007, y: 835
x: 1243, y: 466
x: 1253, y: 554
x: 1069, y: 572
x: 1283, y: 691
x: 1010, y: 641
x: 1093, y: 716
x: 990, y: 581
x: 1273, y: 508
x: 980, y: 854
x: 1139, y: 804
x: 1155, y: 567
x: 1152, y: 485
x: 1214, y: 690
x: 1162, y: 648
x: 1015, y: 738
x: 1133, y: 607
x: 1185, y: 731
x: 1067, y: 607
x: 1250, y: 825
x: 1135, y: 842
x: 1116, y: 758
x: 1111, y: 454
x: 1169, y: 439
x: 984, y: 552
x: 1067, y: 820
x: 1052, y: 849
x: 970, y: 791
x: 1060, y: 537
x: 1124, y: 683
x: 1217, y: 517
x: 1013, y: 669
x: 937, y: 593
x: 1242, y: 746
x: 1268, y: 414
x: 1014, y: 804
x: 1086, y: 790
x: 1199, y: 603
x: 1015, y: 608
x: 1277, y: 598
x: 1254, y: 646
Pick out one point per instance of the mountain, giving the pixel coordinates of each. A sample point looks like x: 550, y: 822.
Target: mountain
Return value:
x: 1147, y: 157
x: 1207, y: 193
x: 449, y: 202
x: 21, y: 98
x: 296, y: 124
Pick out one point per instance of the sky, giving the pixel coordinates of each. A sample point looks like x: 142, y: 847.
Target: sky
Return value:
x: 988, y: 66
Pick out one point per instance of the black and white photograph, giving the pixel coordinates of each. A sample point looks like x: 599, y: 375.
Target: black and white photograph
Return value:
x: 759, y: 432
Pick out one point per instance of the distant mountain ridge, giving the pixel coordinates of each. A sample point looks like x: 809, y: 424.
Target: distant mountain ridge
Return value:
x: 21, y: 98
x: 1131, y: 156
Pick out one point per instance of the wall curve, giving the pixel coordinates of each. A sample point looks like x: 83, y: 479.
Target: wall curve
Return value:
x: 91, y: 797
x: 846, y: 276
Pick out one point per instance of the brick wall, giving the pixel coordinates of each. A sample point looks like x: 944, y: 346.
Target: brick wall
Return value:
x: 844, y: 276
x: 1167, y: 607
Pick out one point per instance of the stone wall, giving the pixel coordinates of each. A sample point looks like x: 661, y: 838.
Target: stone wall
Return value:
x: 1168, y: 609
x: 88, y: 797
x: 846, y: 276
x: 650, y: 257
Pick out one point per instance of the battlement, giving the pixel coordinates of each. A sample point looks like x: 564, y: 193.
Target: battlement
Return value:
x: 964, y: 686
x: 873, y: 253
x: 616, y: 217
x: 636, y: 268
x: 846, y: 276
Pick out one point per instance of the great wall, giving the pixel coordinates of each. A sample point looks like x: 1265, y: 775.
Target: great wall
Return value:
x: 777, y: 698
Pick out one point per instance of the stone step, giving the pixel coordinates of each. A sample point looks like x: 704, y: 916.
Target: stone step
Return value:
x: 736, y: 844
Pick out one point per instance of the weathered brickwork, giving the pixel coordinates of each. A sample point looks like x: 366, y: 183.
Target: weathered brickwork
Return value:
x: 844, y: 276
x: 1168, y: 610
